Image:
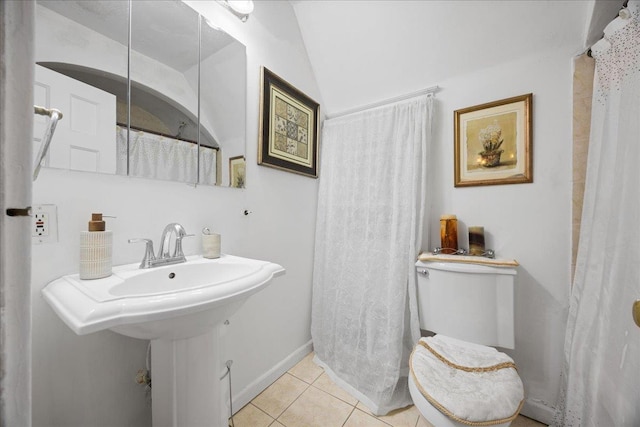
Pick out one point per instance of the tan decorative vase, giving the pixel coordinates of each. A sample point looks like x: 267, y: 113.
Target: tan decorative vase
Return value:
x: 490, y: 159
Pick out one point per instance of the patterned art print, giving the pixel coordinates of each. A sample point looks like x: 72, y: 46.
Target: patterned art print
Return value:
x: 290, y: 129
x: 288, y: 138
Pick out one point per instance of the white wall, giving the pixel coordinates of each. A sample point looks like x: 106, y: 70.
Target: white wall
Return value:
x: 59, y: 39
x: 221, y: 105
x: 528, y: 222
x: 89, y: 380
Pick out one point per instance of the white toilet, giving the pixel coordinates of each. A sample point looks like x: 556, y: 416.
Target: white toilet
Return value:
x: 455, y: 378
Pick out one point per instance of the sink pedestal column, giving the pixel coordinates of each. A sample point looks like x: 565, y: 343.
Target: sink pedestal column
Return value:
x: 185, y: 382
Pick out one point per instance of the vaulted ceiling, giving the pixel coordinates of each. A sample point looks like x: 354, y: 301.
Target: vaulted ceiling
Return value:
x: 364, y: 51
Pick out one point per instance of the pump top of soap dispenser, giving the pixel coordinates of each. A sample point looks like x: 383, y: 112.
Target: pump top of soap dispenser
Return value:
x: 96, y: 223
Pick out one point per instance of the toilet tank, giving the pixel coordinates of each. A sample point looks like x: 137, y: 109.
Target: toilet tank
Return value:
x: 469, y: 302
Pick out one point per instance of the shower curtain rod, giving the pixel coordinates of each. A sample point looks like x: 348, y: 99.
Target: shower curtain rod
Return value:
x: 620, y: 14
x: 428, y: 90
x: 54, y: 117
x: 41, y: 111
x: 139, y: 129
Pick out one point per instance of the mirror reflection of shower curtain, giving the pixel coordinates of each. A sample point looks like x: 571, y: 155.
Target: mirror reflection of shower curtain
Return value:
x: 159, y: 157
x: 601, y: 374
x: 371, y: 210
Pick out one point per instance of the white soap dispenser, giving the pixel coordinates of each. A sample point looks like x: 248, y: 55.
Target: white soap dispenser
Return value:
x: 95, y: 249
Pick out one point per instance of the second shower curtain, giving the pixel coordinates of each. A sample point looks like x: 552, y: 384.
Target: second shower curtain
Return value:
x: 371, y: 211
x: 601, y: 372
x: 160, y: 157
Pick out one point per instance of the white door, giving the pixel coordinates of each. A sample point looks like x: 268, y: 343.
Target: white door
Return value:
x: 85, y: 138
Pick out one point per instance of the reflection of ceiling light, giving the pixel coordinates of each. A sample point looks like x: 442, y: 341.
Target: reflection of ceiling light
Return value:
x: 241, y: 8
x: 212, y: 25
x: 244, y: 7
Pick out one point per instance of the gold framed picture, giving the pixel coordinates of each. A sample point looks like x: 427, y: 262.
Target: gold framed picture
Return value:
x: 493, y: 143
x: 237, y: 172
x: 288, y: 136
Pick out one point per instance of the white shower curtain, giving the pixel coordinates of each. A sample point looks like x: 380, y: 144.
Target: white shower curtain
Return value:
x: 159, y: 157
x: 601, y: 376
x: 371, y: 208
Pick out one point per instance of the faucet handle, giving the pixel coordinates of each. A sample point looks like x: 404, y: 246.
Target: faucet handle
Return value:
x: 148, y: 252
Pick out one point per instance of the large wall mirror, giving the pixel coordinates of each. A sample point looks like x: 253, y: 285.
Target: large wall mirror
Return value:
x: 181, y: 114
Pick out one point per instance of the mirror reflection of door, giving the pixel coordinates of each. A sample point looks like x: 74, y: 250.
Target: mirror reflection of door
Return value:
x: 81, y: 70
x: 84, y: 141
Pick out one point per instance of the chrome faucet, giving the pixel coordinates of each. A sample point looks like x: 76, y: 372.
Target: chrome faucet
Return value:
x: 165, y: 241
x: 165, y: 256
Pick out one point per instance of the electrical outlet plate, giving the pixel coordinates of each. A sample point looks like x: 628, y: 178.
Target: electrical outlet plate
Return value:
x: 44, y: 224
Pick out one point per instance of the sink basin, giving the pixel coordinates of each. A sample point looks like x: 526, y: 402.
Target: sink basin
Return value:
x: 182, y: 277
x: 169, y: 302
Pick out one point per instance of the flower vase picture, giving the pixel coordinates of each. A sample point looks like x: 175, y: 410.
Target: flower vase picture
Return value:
x: 493, y: 143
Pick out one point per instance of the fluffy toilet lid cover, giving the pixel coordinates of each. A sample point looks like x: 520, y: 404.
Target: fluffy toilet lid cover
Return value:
x: 471, y: 384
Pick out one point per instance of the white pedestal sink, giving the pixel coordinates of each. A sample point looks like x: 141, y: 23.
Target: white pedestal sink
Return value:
x: 180, y: 309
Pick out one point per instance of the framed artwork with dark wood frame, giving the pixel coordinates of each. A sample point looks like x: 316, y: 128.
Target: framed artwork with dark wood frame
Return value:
x: 493, y: 143
x: 288, y: 137
x: 237, y: 171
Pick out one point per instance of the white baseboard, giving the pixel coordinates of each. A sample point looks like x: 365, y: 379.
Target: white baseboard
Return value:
x: 256, y: 387
x: 538, y: 411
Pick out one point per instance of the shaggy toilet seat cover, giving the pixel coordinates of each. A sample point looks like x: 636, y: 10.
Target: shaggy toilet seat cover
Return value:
x: 472, y: 384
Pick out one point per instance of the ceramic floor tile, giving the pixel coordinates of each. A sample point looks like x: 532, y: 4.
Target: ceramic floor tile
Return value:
x: 405, y: 417
x: 423, y: 423
x: 279, y: 395
x: 315, y: 408
x: 325, y: 383
x: 518, y: 422
x: 364, y: 408
x: 523, y: 421
x: 306, y: 369
x: 250, y: 416
x: 294, y: 403
x: 360, y: 419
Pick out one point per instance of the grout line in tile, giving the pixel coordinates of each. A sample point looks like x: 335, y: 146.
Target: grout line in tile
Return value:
x: 251, y: 403
x: 372, y: 415
x: 383, y: 421
x: 262, y: 411
x: 322, y: 391
x: 341, y: 400
x: 294, y: 401
x: 301, y: 379
x: 349, y: 416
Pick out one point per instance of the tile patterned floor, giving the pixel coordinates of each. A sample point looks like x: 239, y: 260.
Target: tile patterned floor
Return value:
x: 306, y: 397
